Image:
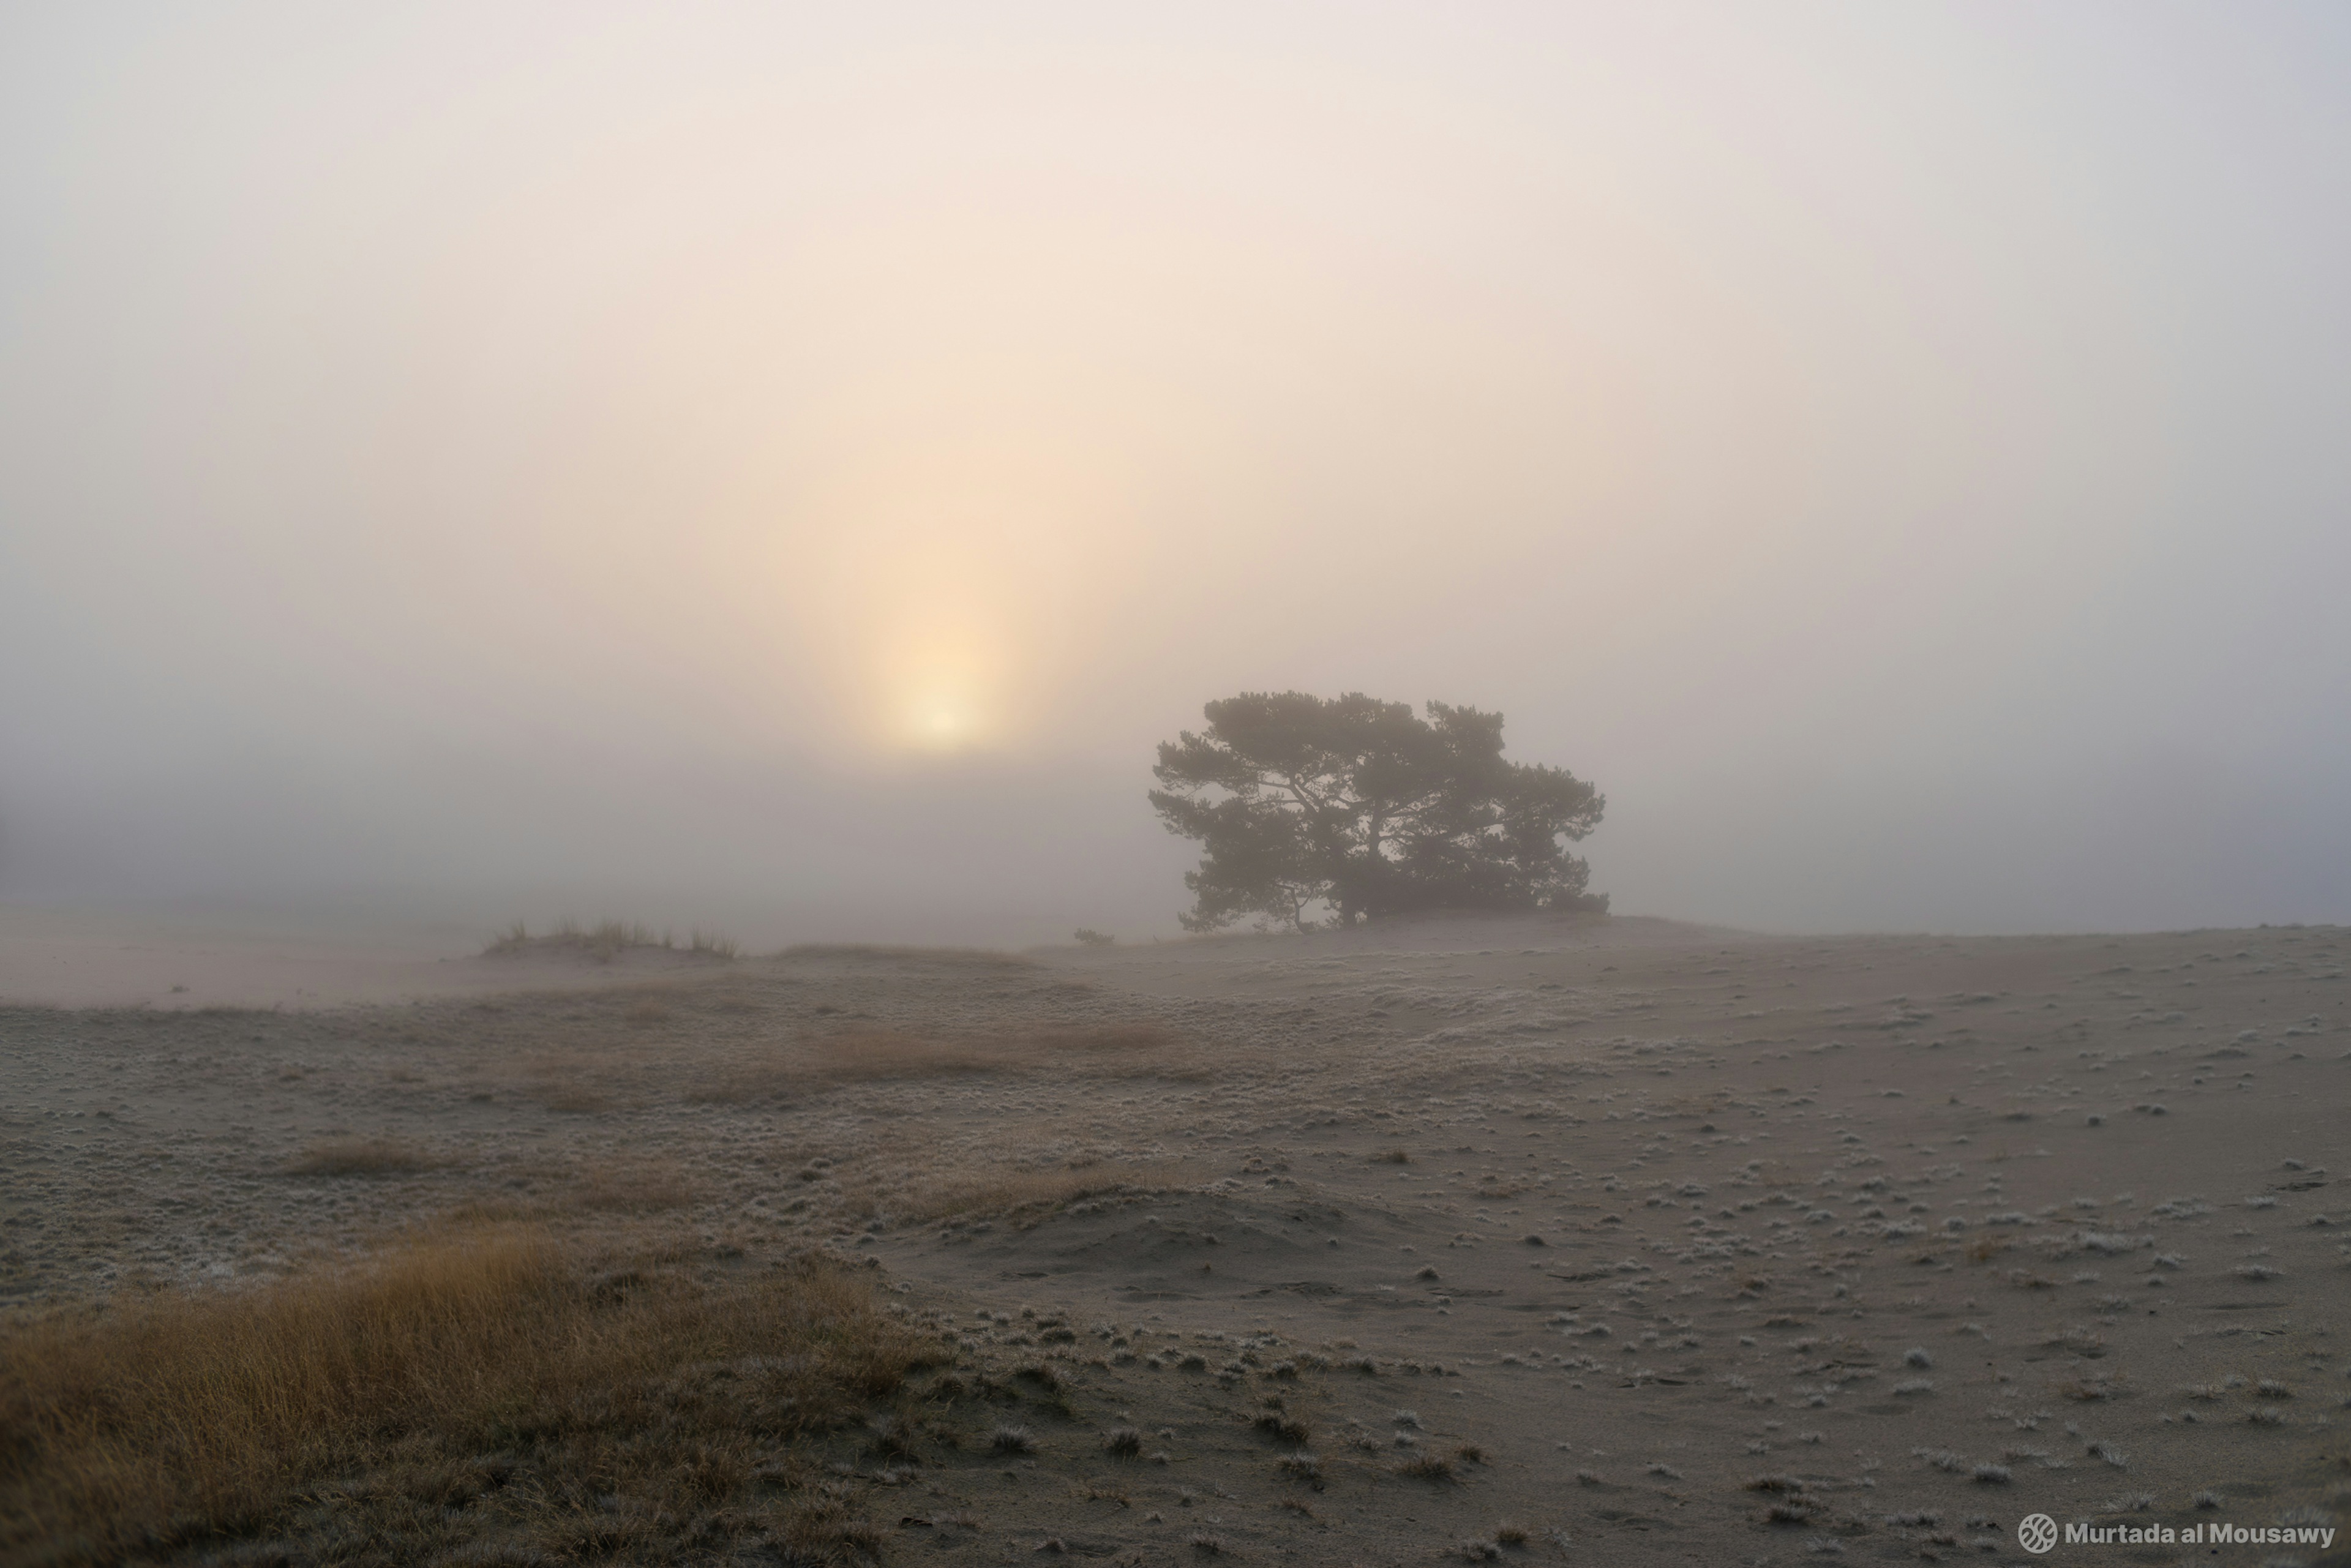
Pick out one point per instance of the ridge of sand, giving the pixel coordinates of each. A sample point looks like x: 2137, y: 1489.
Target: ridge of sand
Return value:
x: 73, y: 958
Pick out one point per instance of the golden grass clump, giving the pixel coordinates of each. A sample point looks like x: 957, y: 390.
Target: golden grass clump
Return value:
x: 365, y: 1406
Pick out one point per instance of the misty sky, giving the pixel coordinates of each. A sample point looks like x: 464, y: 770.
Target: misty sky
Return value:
x: 784, y: 467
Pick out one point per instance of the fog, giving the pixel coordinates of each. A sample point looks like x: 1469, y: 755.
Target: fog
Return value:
x: 784, y: 467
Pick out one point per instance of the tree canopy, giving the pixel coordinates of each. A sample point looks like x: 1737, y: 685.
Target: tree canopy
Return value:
x: 1362, y: 807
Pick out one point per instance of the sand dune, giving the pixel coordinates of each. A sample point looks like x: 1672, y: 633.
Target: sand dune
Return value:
x: 80, y: 959
x: 1616, y: 1239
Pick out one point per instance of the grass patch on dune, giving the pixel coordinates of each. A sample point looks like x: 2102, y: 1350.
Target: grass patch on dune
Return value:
x: 608, y: 940
x: 489, y: 1391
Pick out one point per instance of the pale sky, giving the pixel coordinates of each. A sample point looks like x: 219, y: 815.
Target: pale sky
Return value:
x: 785, y: 466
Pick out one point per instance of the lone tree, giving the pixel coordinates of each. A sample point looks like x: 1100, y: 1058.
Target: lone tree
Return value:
x: 1367, y: 808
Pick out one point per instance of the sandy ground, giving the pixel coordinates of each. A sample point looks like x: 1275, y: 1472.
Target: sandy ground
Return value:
x: 1639, y: 1243
x: 82, y: 958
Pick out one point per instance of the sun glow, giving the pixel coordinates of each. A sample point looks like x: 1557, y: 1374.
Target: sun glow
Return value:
x: 943, y: 719
x: 943, y: 690
x: 958, y: 569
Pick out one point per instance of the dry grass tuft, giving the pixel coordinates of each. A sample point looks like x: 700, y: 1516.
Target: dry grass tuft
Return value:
x: 489, y: 1371
x: 516, y: 939
x: 1984, y: 1248
x: 358, y: 1157
x: 1284, y: 1429
x: 711, y: 944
